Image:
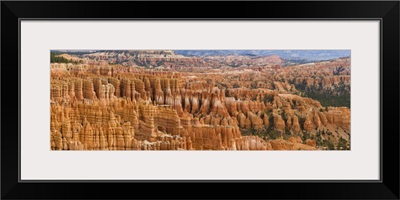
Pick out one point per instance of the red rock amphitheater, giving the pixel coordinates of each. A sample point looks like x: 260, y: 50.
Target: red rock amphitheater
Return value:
x: 101, y: 106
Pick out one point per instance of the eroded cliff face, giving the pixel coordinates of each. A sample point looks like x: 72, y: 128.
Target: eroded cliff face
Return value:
x: 148, y: 58
x: 168, y: 59
x: 102, y: 107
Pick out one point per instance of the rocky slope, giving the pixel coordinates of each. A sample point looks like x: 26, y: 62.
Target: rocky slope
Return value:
x: 148, y: 58
x: 170, y: 60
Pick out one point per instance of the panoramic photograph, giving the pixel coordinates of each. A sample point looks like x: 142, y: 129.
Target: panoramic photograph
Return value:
x: 200, y: 100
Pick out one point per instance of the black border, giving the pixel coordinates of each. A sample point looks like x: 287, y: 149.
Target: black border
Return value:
x: 387, y: 12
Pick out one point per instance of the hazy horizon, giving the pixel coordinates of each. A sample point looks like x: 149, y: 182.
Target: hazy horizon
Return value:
x: 309, y: 55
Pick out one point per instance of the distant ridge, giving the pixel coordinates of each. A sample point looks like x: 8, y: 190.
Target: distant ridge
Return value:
x: 298, y: 56
x: 309, y: 55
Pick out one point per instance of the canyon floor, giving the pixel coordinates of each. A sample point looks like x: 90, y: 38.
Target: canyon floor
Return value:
x: 161, y: 100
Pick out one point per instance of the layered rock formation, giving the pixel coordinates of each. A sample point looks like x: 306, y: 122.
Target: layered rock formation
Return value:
x: 114, y: 107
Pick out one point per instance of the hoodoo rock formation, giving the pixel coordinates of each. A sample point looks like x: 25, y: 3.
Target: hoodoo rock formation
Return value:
x: 128, y: 107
